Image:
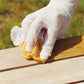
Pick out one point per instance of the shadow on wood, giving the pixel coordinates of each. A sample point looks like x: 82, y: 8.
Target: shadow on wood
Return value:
x: 67, y: 48
x: 63, y: 49
x: 76, y: 82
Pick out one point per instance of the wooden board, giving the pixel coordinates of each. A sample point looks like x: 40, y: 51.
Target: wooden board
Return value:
x: 12, y: 58
x: 60, y: 72
x: 14, y: 69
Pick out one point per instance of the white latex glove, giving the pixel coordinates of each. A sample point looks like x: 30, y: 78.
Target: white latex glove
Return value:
x: 55, y: 18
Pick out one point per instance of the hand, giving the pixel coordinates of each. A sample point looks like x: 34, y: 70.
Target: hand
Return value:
x: 53, y: 20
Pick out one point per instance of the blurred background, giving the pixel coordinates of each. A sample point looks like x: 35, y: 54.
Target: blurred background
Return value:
x: 12, y: 13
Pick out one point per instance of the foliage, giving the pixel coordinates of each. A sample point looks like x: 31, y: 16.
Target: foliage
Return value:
x: 13, y: 11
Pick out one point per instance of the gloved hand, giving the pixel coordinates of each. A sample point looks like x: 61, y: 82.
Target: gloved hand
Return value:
x: 53, y: 20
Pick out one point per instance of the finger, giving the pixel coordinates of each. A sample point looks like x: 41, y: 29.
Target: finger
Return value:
x: 16, y: 35
x: 27, y: 21
x: 49, y: 44
x: 33, y: 33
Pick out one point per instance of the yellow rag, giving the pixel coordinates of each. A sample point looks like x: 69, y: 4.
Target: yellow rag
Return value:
x: 64, y: 48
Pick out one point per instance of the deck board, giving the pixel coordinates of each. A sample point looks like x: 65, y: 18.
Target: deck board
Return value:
x: 14, y: 69
x: 59, y: 72
x: 10, y: 58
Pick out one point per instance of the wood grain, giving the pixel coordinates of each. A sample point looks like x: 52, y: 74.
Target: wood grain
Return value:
x: 14, y: 69
x: 64, y: 49
x: 13, y: 58
x: 60, y: 72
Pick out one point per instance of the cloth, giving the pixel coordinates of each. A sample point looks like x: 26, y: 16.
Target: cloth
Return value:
x: 63, y: 49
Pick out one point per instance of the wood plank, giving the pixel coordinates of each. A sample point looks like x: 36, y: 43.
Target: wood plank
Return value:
x: 16, y: 70
x: 13, y: 58
x: 57, y: 72
x: 77, y: 82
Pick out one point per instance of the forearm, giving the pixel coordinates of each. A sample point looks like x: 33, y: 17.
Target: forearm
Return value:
x: 71, y: 1
x: 53, y: 0
x: 67, y: 5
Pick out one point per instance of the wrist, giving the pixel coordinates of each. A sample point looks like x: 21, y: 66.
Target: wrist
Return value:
x: 53, y: 0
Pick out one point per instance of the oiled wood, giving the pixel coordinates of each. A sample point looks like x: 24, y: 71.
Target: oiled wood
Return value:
x: 68, y: 48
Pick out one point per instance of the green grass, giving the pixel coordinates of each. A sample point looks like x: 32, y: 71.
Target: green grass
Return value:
x: 12, y: 13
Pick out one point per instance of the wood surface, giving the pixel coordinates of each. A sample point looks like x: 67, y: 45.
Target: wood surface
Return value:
x: 14, y: 69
